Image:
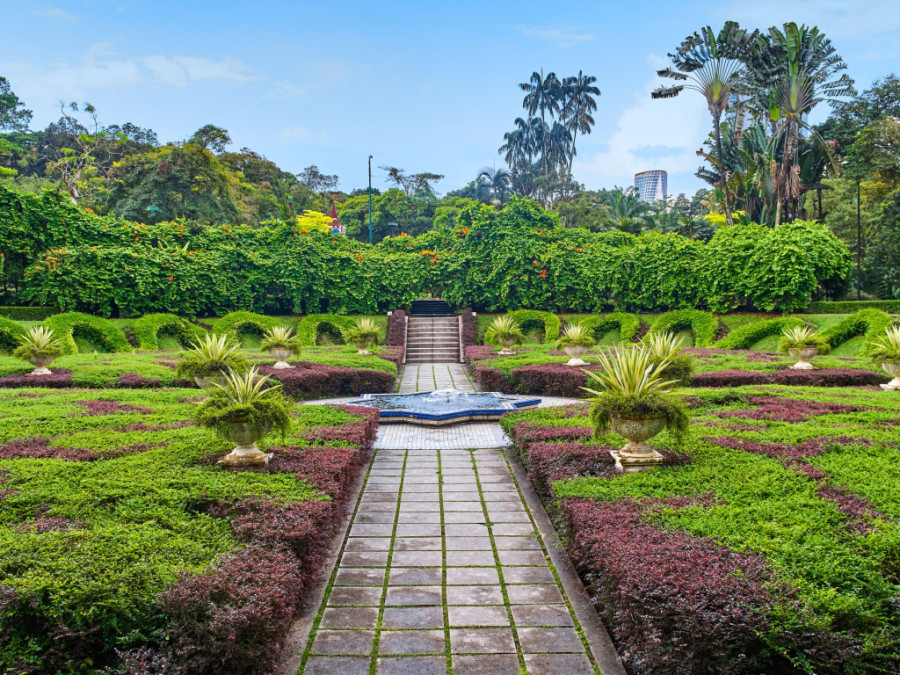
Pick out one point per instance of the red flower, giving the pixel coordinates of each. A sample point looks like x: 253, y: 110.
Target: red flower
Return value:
x: 543, y: 273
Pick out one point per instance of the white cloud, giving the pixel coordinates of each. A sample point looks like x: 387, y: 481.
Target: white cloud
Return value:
x: 317, y: 77
x: 650, y: 134
x: 561, y: 36
x: 100, y: 69
x: 286, y: 89
x: 55, y: 14
x: 295, y: 133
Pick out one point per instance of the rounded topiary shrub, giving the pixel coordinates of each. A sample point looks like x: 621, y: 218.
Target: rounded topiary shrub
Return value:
x: 310, y: 327
x: 529, y: 318
x: 868, y: 322
x: 747, y: 336
x: 149, y: 328
x: 628, y: 325
x: 238, y: 324
x: 10, y: 332
x: 702, y: 325
x: 101, y: 332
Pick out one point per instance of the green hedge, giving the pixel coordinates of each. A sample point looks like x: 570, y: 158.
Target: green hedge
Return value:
x: 101, y: 332
x: 239, y: 323
x: 550, y: 321
x: 868, y: 322
x: 627, y: 324
x: 852, y: 306
x: 747, y: 336
x: 703, y: 325
x: 10, y: 332
x: 308, y: 326
x: 26, y: 313
x: 148, y: 327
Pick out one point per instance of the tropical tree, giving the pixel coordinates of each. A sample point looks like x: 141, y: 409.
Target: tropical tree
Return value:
x: 494, y: 183
x: 580, y: 101
x: 711, y: 64
x: 542, y: 94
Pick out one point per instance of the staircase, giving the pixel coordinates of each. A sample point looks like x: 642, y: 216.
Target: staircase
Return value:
x: 432, y: 339
x: 430, y: 308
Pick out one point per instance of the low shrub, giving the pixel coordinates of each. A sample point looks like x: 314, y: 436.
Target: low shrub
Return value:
x: 730, y: 378
x: 868, y: 322
x: 747, y: 336
x: 550, y: 462
x: 101, y: 332
x: 308, y: 327
x: 493, y: 379
x: 396, y: 333
x: 468, y: 327
x: 628, y: 325
x: 820, y: 377
x: 148, y: 328
x: 315, y: 380
x: 528, y: 317
x: 673, y: 603
x: 550, y: 379
x: 846, y: 306
x: 703, y: 325
x: 236, y: 324
x: 26, y: 313
x: 11, y: 334
x: 58, y: 378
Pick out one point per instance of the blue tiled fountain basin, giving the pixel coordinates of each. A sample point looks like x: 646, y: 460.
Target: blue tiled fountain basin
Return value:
x: 445, y: 406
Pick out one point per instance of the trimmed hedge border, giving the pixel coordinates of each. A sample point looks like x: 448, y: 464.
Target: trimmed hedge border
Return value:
x: 628, y: 324
x: 852, y: 306
x: 747, y: 336
x: 396, y: 333
x: 551, y: 322
x: 101, y: 331
x: 10, y: 332
x: 868, y: 322
x: 26, y: 313
x: 468, y: 327
x: 307, y: 380
x: 820, y: 377
x: 235, y: 323
x: 147, y: 328
x: 308, y: 326
x: 703, y: 325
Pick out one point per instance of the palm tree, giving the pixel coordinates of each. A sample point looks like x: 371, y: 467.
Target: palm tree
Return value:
x: 794, y: 70
x: 627, y: 211
x: 542, y: 94
x: 579, y: 92
x: 497, y: 182
x: 712, y: 64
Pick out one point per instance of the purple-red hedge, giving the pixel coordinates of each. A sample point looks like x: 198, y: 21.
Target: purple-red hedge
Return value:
x: 59, y: 378
x: 820, y: 377
x: 551, y: 379
x: 549, y: 462
x: 468, y: 327
x: 396, y: 331
x: 523, y: 433
x: 315, y: 380
x: 783, y: 409
x: 673, y: 603
x: 493, y: 379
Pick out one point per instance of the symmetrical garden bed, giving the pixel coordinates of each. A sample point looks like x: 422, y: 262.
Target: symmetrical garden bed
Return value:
x: 126, y: 546
x: 769, y: 543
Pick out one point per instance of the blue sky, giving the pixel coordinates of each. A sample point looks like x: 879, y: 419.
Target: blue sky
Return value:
x: 426, y: 86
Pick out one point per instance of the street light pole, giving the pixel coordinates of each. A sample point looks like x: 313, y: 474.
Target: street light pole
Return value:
x: 370, y: 199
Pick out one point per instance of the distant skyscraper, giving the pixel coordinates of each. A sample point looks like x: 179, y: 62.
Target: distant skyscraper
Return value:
x: 652, y: 185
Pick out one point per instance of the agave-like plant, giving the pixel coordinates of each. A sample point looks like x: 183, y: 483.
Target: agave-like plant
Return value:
x: 362, y: 334
x: 247, y: 388
x: 506, y: 332
x: 39, y: 346
x: 664, y: 345
x: 630, y: 372
x: 281, y: 343
x: 802, y: 337
x: 211, y: 356
x: 886, y: 348
x: 575, y: 335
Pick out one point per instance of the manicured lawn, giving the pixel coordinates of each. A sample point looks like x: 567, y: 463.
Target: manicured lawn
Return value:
x: 114, y: 520
x: 792, y: 487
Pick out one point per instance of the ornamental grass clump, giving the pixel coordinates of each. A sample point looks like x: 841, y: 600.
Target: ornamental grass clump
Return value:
x: 244, y: 410
x: 505, y: 332
x: 885, y: 351
x: 666, y: 348
x: 633, y: 394
x: 39, y: 346
x: 575, y: 341
x: 281, y: 343
x: 209, y: 360
x: 362, y: 334
x: 802, y: 337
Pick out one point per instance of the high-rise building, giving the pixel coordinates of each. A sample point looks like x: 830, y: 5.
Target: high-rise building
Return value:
x: 651, y: 185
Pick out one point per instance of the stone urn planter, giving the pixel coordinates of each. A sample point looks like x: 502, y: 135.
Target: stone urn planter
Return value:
x: 40, y: 364
x: 507, y: 347
x: 636, y: 454
x: 892, y: 368
x: 575, y: 353
x: 281, y: 356
x: 209, y: 381
x: 245, y: 435
x: 803, y: 356
x: 363, y: 347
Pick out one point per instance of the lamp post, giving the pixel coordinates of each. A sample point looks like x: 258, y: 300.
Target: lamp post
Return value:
x: 370, y: 199
x: 858, y: 241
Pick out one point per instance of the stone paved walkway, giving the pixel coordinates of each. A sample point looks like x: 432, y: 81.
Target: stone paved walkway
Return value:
x: 431, y: 376
x: 443, y: 568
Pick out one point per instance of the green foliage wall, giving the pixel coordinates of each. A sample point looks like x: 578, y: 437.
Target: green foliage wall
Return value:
x: 515, y: 258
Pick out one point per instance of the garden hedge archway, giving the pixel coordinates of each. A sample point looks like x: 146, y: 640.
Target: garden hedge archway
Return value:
x: 702, y: 325
x: 147, y: 330
x: 747, y: 336
x: 871, y: 323
x: 628, y: 325
x: 236, y: 324
x: 10, y: 332
x: 309, y: 326
x: 548, y: 320
x: 101, y: 332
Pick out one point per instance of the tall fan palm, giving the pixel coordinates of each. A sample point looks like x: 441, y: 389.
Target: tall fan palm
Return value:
x: 498, y: 182
x: 794, y: 70
x: 712, y: 65
x: 542, y: 94
x: 580, y: 102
